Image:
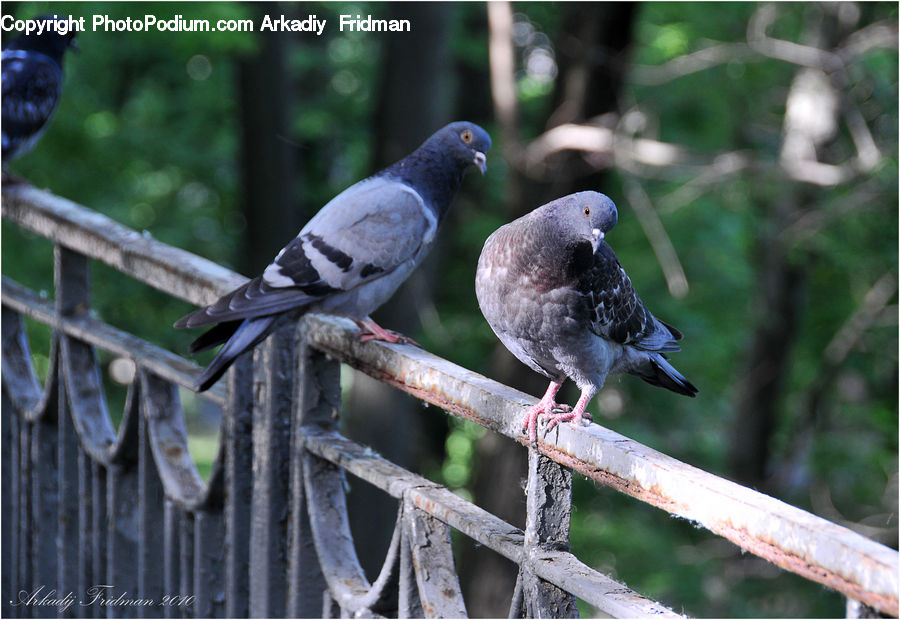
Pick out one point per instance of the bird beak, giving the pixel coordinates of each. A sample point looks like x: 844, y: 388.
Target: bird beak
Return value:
x: 597, y: 236
x: 480, y: 161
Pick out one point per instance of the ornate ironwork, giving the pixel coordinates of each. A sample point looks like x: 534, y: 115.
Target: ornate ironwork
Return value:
x: 267, y: 535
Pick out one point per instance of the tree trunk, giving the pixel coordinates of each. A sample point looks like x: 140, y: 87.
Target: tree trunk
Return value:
x: 592, y: 55
x: 781, y: 268
x: 780, y: 287
x: 268, y: 161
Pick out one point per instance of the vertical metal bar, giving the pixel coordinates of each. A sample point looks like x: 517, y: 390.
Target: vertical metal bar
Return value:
x: 237, y: 439
x: 517, y: 605
x: 548, y: 510
x: 432, y: 556
x: 271, y: 471
x: 317, y: 400
x: 67, y: 547
x: 409, y: 604
x: 71, y: 278
x: 45, y: 505
x: 151, y: 499
x: 330, y: 608
x: 209, y: 564
x: 99, y: 529
x: 85, y: 526
x: 186, y: 561
x: 21, y: 392
x: 26, y: 583
x: 72, y: 283
x: 172, y: 555
x: 11, y: 525
x: 122, y: 543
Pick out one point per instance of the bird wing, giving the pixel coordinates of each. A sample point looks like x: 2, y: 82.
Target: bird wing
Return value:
x: 372, y: 230
x: 31, y: 85
x: 616, y: 311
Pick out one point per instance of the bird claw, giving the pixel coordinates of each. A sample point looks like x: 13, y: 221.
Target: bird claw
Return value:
x: 550, y: 413
x: 532, y: 416
x: 366, y: 334
x: 563, y: 413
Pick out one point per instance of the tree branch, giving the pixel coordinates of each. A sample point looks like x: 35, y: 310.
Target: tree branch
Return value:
x: 869, y: 310
x: 787, y: 51
x: 659, y: 239
x: 706, y: 58
x: 503, y: 73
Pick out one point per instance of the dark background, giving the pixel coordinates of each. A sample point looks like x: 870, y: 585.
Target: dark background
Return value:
x: 754, y: 164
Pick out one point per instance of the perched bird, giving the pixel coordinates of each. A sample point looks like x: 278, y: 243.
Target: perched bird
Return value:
x: 32, y: 84
x: 555, y: 294
x: 352, y: 255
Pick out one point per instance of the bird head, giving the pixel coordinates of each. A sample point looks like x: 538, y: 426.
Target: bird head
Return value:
x: 56, y: 37
x: 584, y: 215
x: 467, y: 142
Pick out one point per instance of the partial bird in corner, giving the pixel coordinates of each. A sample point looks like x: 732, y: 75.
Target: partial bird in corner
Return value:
x: 32, y: 85
x: 352, y: 255
x: 555, y: 294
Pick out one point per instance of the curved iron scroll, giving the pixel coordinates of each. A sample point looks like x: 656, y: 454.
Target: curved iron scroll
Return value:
x: 145, y: 521
x: 127, y: 508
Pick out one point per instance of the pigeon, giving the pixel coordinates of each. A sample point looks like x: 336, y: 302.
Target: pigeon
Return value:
x: 32, y: 84
x: 556, y: 296
x: 352, y: 255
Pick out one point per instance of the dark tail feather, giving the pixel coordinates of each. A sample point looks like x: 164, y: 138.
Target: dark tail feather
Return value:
x: 661, y: 373
x: 250, y: 333
x: 188, y: 319
x: 215, y: 336
x: 677, y: 335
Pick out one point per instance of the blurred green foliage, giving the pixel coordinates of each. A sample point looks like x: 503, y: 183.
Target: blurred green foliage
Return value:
x: 148, y: 133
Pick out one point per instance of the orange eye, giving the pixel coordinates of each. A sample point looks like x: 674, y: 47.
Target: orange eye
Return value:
x: 466, y: 136
x: 587, y: 211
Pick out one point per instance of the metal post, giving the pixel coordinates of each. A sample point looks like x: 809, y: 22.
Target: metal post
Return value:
x: 237, y: 442
x: 151, y: 499
x: 271, y: 474
x: 67, y: 548
x: 317, y: 398
x: 549, y: 507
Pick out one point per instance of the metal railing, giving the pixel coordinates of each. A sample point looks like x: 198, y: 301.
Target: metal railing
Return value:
x: 86, y: 506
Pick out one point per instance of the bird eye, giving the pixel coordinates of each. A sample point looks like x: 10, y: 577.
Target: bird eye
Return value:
x: 587, y: 211
x: 466, y: 136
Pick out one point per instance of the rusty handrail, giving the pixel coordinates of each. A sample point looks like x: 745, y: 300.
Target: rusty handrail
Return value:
x: 791, y: 538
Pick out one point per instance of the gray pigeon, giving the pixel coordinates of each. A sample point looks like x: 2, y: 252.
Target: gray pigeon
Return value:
x: 352, y: 256
x: 32, y: 83
x: 555, y: 294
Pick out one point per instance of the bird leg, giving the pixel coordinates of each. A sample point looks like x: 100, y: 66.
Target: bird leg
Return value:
x: 543, y: 408
x: 578, y: 415
x: 370, y: 330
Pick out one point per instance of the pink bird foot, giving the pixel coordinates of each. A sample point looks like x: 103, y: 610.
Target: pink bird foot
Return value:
x: 548, y: 409
x: 543, y: 408
x: 577, y: 416
x: 370, y: 330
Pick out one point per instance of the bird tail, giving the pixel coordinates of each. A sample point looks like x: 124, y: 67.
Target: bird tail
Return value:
x: 219, y: 334
x: 658, y: 371
x: 247, y: 335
